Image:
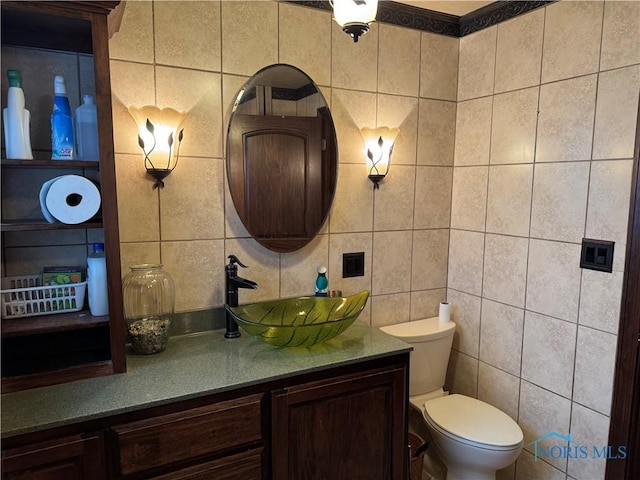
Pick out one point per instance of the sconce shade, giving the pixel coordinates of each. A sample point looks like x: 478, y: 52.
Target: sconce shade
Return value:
x: 378, y: 147
x: 355, y: 16
x: 159, y: 139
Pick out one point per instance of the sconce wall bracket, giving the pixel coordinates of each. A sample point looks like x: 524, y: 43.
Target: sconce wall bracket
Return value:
x: 159, y: 174
x: 376, y: 179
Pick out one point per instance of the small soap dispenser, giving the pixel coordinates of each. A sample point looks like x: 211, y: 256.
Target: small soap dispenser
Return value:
x: 322, y: 283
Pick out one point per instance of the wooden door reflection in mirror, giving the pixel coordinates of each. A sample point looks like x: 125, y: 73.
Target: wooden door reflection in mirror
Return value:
x: 281, y: 158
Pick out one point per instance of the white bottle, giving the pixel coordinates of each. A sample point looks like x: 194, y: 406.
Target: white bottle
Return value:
x: 17, y: 138
x: 97, y: 281
x: 87, y: 130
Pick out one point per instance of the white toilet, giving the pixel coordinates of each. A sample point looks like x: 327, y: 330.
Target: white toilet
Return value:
x: 472, y: 438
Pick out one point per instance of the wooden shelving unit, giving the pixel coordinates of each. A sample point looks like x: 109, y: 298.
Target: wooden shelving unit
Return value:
x: 62, y: 347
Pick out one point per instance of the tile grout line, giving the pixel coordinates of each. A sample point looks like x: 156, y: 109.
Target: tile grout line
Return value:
x: 586, y: 216
x: 486, y: 206
x: 535, y: 147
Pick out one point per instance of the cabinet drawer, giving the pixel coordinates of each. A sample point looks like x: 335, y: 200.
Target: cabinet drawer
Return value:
x: 159, y: 441
x: 245, y: 465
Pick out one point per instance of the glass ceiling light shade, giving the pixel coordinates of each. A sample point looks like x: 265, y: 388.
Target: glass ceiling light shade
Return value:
x: 159, y: 139
x: 355, y: 16
x: 378, y: 146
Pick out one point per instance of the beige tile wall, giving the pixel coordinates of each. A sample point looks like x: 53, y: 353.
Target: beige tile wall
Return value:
x: 543, y: 158
x: 521, y: 153
x: 195, y: 56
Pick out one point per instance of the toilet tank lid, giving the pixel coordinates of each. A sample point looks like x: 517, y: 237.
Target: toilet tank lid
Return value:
x: 474, y: 420
x: 420, y: 330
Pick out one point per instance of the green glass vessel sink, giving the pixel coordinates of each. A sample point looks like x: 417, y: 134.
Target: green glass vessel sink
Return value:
x: 299, y: 322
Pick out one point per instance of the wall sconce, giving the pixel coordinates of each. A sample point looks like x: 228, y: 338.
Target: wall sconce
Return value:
x: 157, y: 131
x: 354, y: 16
x: 378, y: 146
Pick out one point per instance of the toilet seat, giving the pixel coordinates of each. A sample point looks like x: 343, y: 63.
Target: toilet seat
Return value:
x: 473, y: 422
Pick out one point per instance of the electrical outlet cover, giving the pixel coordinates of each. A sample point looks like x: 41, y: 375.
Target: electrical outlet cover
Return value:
x: 597, y: 255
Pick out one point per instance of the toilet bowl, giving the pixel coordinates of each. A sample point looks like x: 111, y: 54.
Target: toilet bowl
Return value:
x: 472, y: 438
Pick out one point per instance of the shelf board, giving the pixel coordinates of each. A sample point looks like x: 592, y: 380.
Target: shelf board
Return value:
x: 55, y: 377
x: 5, y: 162
x: 42, y: 30
x: 32, y: 225
x: 59, y: 322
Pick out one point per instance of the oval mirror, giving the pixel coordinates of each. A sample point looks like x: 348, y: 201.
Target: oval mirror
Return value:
x: 282, y: 157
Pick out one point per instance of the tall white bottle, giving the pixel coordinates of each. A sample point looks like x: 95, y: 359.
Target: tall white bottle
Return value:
x: 87, y: 130
x: 17, y: 138
x: 97, y: 281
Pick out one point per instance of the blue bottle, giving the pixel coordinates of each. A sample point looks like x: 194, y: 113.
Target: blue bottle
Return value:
x: 322, y: 283
x: 62, y: 138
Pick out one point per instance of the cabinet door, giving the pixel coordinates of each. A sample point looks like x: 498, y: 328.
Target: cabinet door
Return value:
x: 351, y: 427
x: 276, y: 167
x: 70, y: 458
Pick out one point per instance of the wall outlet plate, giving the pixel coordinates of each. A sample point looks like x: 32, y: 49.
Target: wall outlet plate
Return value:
x: 597, y: 255
x: 353, y: 265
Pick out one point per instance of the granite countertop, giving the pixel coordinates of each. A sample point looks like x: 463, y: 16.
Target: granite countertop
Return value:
x: 191, y: 366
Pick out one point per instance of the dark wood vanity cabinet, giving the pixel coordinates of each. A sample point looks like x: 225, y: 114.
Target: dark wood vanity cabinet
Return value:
x: 342, y: 423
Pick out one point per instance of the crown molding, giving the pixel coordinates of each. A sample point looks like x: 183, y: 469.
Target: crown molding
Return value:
x: 418, y: 18
x: 403, y: 15
x: 495, y: 13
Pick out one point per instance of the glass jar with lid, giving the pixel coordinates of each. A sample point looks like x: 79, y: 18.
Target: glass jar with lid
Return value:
x: 149, y: 302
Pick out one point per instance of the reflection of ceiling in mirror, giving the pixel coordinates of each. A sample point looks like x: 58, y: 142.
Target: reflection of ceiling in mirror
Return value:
x: 283, y: 77
x: 280, y: 82
x: 452, y: 7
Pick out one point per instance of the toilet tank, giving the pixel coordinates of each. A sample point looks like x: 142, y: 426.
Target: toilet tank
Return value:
x: 431, y: 340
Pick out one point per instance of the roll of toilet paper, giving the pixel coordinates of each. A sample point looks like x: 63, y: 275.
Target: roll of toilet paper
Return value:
x: 445, y: 312
x: 72, y: 199
x: 43, y: 199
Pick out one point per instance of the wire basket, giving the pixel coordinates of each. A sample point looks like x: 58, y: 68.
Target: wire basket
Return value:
x: 415, y: 462
x: 24, y: 296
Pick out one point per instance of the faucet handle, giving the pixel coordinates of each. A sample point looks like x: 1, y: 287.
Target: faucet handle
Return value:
x: 233, y: 259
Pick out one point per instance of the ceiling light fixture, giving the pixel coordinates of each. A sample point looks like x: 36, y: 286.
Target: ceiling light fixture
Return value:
x: 354, y: 16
